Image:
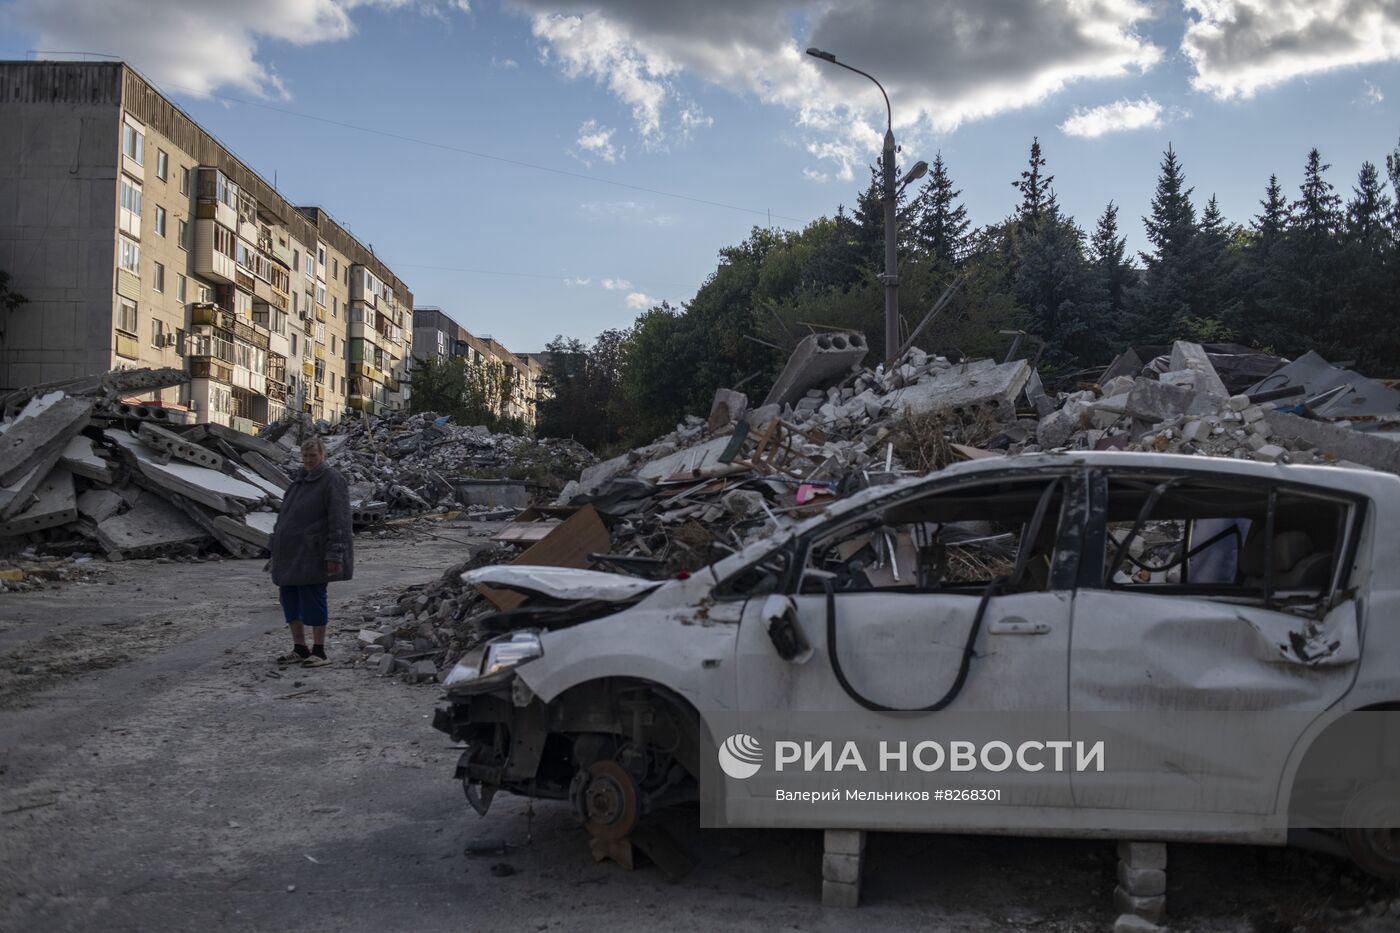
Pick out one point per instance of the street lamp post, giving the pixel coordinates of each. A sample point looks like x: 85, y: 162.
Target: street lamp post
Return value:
x: 889, y: 195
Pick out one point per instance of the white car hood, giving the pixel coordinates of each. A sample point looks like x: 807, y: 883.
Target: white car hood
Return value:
x: 562, y: 582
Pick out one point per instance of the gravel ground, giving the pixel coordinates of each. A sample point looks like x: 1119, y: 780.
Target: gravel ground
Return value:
x: 157, y: 774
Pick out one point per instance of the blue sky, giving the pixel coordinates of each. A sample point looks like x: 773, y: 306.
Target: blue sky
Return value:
x: 715, y: 102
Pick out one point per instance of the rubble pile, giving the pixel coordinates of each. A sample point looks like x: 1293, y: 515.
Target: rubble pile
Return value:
x: 82, y: 470
x: 402, y: 463
x: 30, y: 570
x: 831, y: 426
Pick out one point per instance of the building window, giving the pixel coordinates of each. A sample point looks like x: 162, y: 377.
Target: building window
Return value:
x: 126, y: 316
x: 335, y: 268
x: 133, y: 144
x: 182, y: 231
x: 335, y: 306
x: 160, y: 221
x: 296, y: 259
x: 158, y: 280
x: 130, y: 218
x: 180, y: 287
x: 162, y: 164
x: 223, y: 240
x: 294, y: 343
x: 157, y: 332
x: 184, y: 180
x: 129, y: 255
x: 332, y: 344
x: 320, y: 256
x: 321, y: 295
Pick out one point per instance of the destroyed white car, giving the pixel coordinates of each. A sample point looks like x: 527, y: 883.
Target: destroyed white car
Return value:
x: 1076, y: 585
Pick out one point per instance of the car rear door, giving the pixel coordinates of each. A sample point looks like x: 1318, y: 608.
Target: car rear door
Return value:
x: 1212, y: 625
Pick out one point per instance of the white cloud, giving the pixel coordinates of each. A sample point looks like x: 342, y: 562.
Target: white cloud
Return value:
x: 640, y: 302
x: 1373, y: 94
x: 615, y: 284
x: 595, y: 141
x: 942, y: 63
x: 1113, y: 118
x: 504, y: 62
x: 200, y: 46
x: 1239, y: 47
x: 577, y: 281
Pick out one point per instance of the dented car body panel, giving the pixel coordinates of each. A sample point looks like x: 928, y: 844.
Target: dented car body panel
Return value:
x: 1088, y: 617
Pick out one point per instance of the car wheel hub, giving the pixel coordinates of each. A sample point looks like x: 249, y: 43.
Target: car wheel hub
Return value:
x: 609, y: 802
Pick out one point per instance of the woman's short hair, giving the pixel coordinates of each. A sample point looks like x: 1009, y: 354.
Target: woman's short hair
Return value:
x: 313, y: 443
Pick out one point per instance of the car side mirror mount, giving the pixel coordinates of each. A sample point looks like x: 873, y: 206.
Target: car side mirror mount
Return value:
x: 784, y: 629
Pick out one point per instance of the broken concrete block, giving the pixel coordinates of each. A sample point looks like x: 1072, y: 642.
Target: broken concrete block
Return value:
x: 1238, y: 402
x: 501, y: 495
x: 384, y: 665
x: 176, y: 446
x: 1341, y: 443
x: 1118, y: 385
x: 968, y: 393
x: 1153, y: 402
x: 19, y: 495
x: 1056, y: 428
x: 423, y: 672
x: 1143, y: 854
x: 42, y: 430
x: 80, y: 458
x: 1107, y: 411
x: 843, y: 841
x: 728, y: 406
x: 369, y: 636
x: 1269, y: 452
x: 818, y: 360
x: 836, y: 894
x: 207, y: 487
x: 151, y: 524
x: 98, y: 505
x: 1132, y: 923
x: 1149, y: 908
x: 1192, y: 356
x: 267, y: 469
x: 1142, y: 882
x: 55, y: 504
x: 1195, y: 431
x: 844, y: 869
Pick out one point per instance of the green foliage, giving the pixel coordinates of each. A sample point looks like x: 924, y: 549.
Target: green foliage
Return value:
x: 470, y: 394
x: 1311, y: 273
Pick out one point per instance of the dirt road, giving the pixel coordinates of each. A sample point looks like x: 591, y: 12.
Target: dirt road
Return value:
x: 156, y: 774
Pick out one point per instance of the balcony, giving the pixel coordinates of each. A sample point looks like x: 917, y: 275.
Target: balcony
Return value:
x: 207, y: 312
x: 276, y: 391
x: 207, y: 367
x: 128, y: 346
x: 308, y: 369
x: 211, y: 261
x: 368, y: 371
x: 320, y: 352
x: 321, y: 313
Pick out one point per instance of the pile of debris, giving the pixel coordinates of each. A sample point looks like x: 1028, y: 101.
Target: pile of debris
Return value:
x: 82, y: 471
x: 29, y: 570
x: 401, y: 463
x: 830, y: 426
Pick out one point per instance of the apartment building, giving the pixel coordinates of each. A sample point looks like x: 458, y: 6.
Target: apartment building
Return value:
x: 139, y: 240
x: 437, y: 335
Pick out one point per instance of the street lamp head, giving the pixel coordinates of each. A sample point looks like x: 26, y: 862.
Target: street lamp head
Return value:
x: 919, y: 170
x: 825, y: 56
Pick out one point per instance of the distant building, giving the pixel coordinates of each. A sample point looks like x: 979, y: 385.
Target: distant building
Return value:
x: 139, y: 240
x: 437, y: 336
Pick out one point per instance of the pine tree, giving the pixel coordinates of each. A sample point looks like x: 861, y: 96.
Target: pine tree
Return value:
x: 941, y: 222
x: 1311, y: 272
x: 1034, y: 188
x: 1368, y: 243
x: 1218, y: 267
x: 1369, y: 211
x: 1170, y: 289
x: 1110, y: 275
x: 869, y: 216
x: 1271, y: 223
x: 1050, y: 284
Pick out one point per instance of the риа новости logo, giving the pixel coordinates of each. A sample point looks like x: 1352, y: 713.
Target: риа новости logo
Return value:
x: 741, y: 756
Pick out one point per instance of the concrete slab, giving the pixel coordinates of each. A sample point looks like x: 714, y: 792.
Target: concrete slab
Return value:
x: 153, y: 524
x: 176, y: 446
x: 1192, y: 356
x: 1342, y: 443
x: 44, y: 427
x: 240, y: 528
x: 98, y: 505
x: 267, y: 469
x: 691, y: 458
x: 19, y: 495
x: 989, y: 391
x: 272, y: 490
x: 507, y: 495
x: 236, y: 439
x: 80, y: 457
x: 819, y: 360
x: 207, y: 487
x: 55, y: 504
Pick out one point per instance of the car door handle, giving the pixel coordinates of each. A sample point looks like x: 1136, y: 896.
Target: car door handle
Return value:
x: 1015, y: 625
